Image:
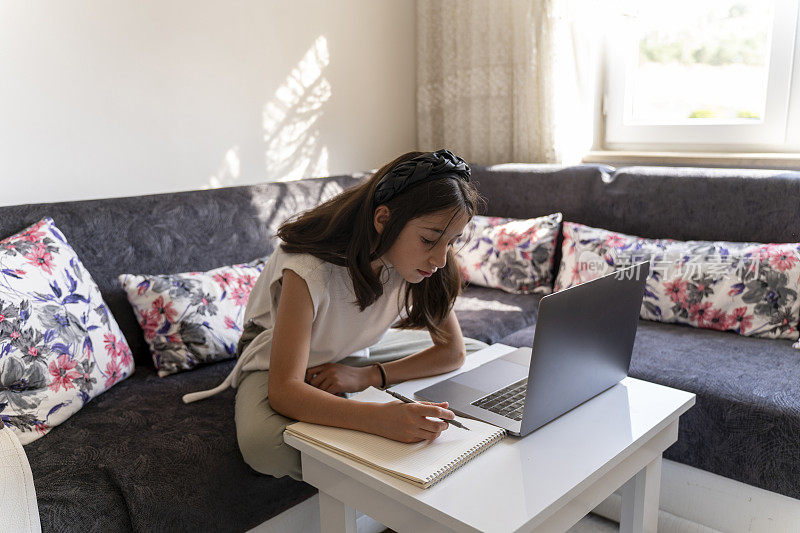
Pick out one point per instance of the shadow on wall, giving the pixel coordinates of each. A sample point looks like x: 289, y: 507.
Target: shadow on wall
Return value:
x: 228, y: 173
x: 291, y: 132
x: 290, y: 122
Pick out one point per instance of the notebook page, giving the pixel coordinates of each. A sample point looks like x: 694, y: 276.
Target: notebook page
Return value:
x: 419, y: 460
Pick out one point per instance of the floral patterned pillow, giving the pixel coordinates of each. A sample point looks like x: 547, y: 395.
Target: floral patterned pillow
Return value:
x: 194, y: 317
x: 59, y: 344
x: 513, y: 255
x: 748, y: 288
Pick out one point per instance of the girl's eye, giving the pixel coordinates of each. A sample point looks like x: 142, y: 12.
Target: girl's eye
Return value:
x: 430, y: 242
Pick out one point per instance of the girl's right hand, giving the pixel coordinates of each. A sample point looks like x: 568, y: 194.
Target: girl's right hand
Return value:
x: 408, y: 422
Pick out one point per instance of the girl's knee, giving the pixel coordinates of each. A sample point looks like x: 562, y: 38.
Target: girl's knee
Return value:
x: 267, y: 453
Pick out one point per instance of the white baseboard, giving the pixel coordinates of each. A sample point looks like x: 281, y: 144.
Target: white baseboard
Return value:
x: 696, y: 501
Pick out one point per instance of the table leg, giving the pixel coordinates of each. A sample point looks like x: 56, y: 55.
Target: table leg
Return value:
x: 640, y: 500
x: 335, y: 516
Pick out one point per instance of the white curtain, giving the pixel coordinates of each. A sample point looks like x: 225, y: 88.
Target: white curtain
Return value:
x: 507, y: 80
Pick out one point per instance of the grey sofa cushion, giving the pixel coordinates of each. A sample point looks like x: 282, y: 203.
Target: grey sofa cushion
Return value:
x: 171, y: 233
x: 655, y: 202
x: 138, y: 459
x: 703, y: 204
x: 746, y: 422
x: 531, y: 190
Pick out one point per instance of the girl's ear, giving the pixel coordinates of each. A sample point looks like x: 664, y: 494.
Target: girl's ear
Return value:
x: 381, y: 218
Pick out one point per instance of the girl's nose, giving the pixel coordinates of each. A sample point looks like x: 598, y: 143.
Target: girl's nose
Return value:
x: 439, y: 257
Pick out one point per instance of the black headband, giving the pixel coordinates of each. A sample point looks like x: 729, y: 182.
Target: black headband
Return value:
x: 438, y: 164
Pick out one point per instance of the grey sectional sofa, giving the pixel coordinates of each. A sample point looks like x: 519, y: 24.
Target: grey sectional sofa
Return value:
x: 137, y: 458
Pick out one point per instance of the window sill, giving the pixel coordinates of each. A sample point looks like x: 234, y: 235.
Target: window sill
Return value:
x: 784, y: 161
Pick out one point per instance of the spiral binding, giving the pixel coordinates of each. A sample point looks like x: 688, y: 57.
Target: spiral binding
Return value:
x: 465, y: 457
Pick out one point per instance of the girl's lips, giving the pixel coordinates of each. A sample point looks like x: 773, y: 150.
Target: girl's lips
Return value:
x: 425, y: 273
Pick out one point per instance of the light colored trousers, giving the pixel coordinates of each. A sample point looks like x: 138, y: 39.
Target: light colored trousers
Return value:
x: 259, y: 429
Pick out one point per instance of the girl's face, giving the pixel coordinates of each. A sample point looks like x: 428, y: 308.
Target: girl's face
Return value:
x: 421, y: 247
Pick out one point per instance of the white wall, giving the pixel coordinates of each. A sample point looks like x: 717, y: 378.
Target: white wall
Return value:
x: 103, y: 98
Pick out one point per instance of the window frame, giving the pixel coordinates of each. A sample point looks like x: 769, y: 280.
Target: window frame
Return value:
x: 779, y: 130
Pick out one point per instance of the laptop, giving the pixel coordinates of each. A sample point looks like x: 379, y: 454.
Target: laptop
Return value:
x: 582, y: 346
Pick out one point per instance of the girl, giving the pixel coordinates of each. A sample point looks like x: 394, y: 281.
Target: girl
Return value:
x: 343, y: 274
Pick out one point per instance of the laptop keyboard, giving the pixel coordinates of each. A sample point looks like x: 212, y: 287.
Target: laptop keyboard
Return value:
x: 507, y: 402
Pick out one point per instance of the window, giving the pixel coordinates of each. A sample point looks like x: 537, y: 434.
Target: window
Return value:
x: 721, y: 75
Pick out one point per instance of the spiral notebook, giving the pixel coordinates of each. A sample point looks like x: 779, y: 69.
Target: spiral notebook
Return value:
x: 421, y: 463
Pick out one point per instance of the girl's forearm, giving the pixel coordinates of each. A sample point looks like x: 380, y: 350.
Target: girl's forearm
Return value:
x: 304, y: 402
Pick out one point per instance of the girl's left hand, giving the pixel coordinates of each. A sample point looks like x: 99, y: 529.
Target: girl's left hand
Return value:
x: 336, y: 378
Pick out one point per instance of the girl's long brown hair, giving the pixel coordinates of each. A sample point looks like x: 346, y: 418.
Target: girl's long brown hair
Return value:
x: 341, y: 231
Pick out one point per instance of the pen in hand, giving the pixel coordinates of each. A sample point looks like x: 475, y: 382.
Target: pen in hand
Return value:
x: 403, y: 399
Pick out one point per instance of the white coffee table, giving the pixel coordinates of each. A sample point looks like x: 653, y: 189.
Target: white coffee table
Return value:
x: 546, y: 481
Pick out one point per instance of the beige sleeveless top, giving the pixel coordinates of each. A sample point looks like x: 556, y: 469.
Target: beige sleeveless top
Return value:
x: 339, y: 328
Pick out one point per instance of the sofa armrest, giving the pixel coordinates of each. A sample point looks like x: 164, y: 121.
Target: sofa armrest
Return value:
x: 18, y: 505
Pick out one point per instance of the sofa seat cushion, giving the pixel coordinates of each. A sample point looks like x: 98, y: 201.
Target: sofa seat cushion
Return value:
x: 489, y: 314
x: 746, y: 421
x: 138, y: 458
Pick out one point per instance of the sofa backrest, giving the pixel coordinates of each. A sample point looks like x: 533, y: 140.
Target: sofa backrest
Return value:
x: 200, y: 230
x: 172, y: 233
x: 655, y: 202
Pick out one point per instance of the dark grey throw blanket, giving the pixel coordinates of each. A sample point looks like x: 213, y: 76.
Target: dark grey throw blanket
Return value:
x: 136, y: 458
